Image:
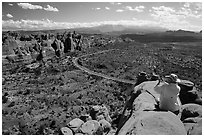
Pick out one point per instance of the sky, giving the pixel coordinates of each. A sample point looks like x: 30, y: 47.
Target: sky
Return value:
x: 60, y: 15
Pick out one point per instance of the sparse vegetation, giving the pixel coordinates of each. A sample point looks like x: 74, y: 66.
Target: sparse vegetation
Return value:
x: 50, y: 96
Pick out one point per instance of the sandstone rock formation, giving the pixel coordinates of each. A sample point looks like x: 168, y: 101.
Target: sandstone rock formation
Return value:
x: 140, y: 117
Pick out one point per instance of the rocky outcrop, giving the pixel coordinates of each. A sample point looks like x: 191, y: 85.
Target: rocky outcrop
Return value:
x: 140, y: 116
x: 7, y: 48
x: 98, y: 122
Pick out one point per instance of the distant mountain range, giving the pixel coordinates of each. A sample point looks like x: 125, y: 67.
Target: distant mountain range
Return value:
x: 120, y: 29
x: 167, y: 36
x: 114, y: 30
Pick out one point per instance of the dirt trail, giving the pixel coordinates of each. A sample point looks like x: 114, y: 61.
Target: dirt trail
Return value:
x: 76, y: 63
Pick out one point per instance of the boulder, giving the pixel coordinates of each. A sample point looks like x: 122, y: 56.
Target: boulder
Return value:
x: 96, y: 108
x: 153, y: 123
x: 85, y: 117
x: 191, y: 110
x: 105, y: 125
x: 100, y: 112
x: 48, y: 131
x: 99, y: 117
x: 75, y: 124
x: 79, y: 134
x: 112, y: 132
x: 33, y: 65
x: 90, y: 127
x: 66, y: 131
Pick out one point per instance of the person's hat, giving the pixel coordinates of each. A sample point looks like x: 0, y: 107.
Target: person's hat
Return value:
x: 173, y: 78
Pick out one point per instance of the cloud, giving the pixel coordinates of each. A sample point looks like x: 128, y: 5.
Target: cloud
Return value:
x: 186, y: 5
x: 168, y: 13
x: 119, y: 10
x: 115, y: 3
x: 193, y: 5
x: 9, y: 15
x: 49, y: 24
x: 137, y: 8
x: 198, y: 5
x: 174, y: 19
x: 163, y: 9
x: 10, y: 4
x: 129, y: 8
x: 98, y: 8
x: 50, y: 8
x: 107, y: 8
x: 187, y: 12
x: 29, y: 6
x: 34, y: 7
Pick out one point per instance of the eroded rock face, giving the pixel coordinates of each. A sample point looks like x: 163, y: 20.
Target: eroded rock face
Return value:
x: 144, y: 119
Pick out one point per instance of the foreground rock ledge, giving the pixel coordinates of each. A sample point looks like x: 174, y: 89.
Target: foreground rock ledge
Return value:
x: 140, y: 118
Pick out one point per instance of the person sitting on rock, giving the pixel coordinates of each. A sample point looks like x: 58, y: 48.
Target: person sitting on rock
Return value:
x: 169, y: 92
